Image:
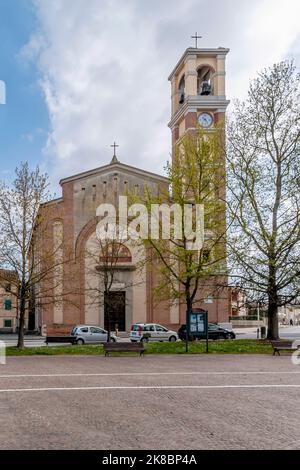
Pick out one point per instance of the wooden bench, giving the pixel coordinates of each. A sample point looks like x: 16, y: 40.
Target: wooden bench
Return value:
x: 60, y: 339
x: 124, y: 347
x: 280, y: 345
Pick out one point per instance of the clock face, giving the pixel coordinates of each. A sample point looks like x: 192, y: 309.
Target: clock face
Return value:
x: 205, y: 119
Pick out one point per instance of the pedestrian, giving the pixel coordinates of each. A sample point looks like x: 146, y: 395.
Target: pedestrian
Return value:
x: 291, y: 322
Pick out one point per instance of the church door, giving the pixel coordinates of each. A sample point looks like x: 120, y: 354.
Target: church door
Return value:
x: 114, y: 311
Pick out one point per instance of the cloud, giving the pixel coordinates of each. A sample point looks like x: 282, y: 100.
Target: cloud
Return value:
x: 104, y: 68
x: 31, y: 136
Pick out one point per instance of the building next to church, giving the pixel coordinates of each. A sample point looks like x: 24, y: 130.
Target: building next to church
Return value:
x: 198, y: 95
x: 8, y: 301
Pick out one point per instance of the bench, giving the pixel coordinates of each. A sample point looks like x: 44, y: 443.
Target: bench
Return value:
x: 60, y: 339
x: 124, y: 347
x: 283, y: 346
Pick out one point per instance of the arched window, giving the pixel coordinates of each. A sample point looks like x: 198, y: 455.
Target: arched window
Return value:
x: 181, y: 90
x: 205, y: 80
x: 114, y: 252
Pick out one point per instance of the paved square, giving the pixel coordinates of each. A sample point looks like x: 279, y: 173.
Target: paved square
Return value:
x: 155, y: 402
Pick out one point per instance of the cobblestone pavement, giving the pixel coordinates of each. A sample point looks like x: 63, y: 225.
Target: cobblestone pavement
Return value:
x: 155, y: 402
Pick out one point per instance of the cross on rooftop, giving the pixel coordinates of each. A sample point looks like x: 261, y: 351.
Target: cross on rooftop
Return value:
x: 196, y: 37
x: 114, y: 145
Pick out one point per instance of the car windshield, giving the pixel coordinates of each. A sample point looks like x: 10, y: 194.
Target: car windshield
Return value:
x: 95, y: 330
x: 160, y: 328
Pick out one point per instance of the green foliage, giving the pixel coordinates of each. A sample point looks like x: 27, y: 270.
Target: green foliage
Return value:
x: 197, y: 179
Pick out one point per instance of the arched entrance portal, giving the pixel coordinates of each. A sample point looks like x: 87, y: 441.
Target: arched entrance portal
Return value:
x: 115, y: 266
x: 114, y: 284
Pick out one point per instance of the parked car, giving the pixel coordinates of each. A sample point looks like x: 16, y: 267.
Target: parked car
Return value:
x: 91, y: 334
x: 151, y: 332
x: 214, y: 332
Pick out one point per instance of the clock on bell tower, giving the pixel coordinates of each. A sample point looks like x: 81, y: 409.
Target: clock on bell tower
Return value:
x: 198, y: 90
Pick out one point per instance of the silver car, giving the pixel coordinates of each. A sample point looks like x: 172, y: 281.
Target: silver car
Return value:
x: 87, y: 334
x: 151, y: 332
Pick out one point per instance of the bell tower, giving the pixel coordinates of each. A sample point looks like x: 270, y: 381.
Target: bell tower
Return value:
x: 198, y: 90
x: 199, y: 97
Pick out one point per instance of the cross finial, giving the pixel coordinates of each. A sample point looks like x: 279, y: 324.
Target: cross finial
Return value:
x: 114, y: 145
x: 196, y: 37
x: 114, y: 158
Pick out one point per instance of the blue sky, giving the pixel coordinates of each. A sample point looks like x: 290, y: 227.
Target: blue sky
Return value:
x: 83, y: 73
x: 24, y: 120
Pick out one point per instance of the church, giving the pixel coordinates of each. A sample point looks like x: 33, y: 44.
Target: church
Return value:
x: 197, y: 96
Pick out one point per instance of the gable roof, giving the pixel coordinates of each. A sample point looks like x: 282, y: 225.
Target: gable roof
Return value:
x: 116, y: 166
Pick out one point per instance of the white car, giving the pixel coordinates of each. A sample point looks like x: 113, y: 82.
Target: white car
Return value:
x: 91, y: 334
x: 151, y: 332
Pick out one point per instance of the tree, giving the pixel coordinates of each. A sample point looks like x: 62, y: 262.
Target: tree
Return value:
x: 263, y: 189
x: 22, y: 226
x: 192, y: 254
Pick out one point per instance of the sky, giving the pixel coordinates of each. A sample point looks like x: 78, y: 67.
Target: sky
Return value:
x: 81, y: 74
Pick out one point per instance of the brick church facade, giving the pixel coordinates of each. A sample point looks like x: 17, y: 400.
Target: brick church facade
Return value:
x: 198, y: 94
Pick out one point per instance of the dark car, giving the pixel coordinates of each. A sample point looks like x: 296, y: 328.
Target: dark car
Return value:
x: 214, y: 332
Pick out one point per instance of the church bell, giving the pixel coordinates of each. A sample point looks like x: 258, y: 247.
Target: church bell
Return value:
x: 206, y: 88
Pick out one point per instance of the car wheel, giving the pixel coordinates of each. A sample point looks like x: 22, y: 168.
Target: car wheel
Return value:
x: 80, y: 341
x: 112, y: 340
x: 144, y: 340
x: 172, y: 338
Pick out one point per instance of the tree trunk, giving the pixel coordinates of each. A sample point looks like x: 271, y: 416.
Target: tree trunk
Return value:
x: 108, y: 329
x: 272, y: 299
x: 273, y: 332
x: 107, y: 314
x: 189, y: 306
x: 20, y: 344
